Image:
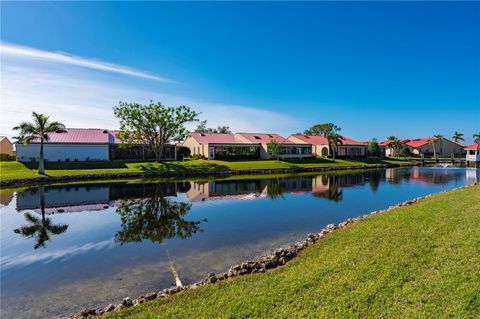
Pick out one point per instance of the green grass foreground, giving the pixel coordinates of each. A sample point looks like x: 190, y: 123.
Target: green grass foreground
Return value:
x: 17, y: 170
x: 418, y: 261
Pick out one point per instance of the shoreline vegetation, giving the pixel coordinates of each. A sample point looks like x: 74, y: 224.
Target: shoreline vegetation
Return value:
x: 419, y: 259
x: 14, y: 174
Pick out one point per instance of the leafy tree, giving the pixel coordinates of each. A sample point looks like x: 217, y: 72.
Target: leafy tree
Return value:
x: 334, y: 139
x: 324, y: 129
x: 183, y: 152
x: 373, y: 147
x: 153, y: 124
x: 457, y: 137
x: 38, y: 129
x: 41, y: 229
x: 432, y: 141
x: 154, y: 217
x: 274, y: 149
x: 394, y: 144
x: 405, y: 151
x: 202, y: 128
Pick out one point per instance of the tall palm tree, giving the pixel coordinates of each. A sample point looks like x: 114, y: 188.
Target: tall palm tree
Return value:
x: 434, y: 140
x: 457, y: 137
x: 38, y: 129
x: 334, y: 139
x: 42, y: 228
x: 394, y: 144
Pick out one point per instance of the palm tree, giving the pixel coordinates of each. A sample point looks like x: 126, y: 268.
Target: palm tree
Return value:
x: 38, y: 129
x: 333, y: 140
x: 394, y: 144
x: 476, y: 139
x: 432, y: 142
x: 457, y: 137
x: 41, y: 229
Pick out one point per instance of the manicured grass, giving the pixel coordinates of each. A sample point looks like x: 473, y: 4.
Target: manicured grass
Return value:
x: 419, y: 261
x: 16, y: 170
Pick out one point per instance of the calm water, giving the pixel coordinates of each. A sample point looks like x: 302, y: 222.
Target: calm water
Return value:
x: 67, y: 247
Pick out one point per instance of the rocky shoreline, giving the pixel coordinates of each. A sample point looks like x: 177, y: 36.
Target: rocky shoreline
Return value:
x: 183, y: 174
x: 261, y: 264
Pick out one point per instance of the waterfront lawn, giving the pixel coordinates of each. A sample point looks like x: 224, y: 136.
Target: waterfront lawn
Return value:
x: 418, y: 261
x: 16, y: 170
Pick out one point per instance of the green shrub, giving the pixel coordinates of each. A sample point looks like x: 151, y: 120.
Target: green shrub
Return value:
x: 183, y: 152
x: 7, y: 157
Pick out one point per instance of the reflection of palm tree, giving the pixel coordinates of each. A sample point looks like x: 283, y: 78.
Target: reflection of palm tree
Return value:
x: 41, y: 229
x: 334, y: 192
x: 155, y: 217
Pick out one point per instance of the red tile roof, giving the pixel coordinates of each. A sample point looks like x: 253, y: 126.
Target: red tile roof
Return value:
x: 218, y: 138
x: 473, y: 147
x: 321, y: 140
x: 416, y: 142
x: 78, y: 136
x: 264, y: 138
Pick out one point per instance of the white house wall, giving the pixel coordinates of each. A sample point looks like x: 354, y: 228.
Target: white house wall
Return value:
x: 62, y: 152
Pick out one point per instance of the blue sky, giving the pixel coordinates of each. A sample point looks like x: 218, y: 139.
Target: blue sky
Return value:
x: 411, y: 69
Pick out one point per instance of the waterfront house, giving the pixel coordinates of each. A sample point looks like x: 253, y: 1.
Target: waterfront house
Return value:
x: 86, y: 144
x: 320, y: 146
x: 473, y: 154
x: 443, y: 147
x: 241, y: 146
x: 6, y: 147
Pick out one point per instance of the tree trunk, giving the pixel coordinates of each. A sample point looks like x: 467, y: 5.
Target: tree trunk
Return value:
x: 434, y: 151
x: 333, y: 154
x: 41, y: 163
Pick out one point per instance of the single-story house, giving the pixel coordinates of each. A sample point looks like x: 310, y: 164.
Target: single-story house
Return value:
x: 241, y: 146
x: 85, y: 144
x: 320, y: 147
x: 473, y: 153
x: 6, y: 147
x: 443, y: 147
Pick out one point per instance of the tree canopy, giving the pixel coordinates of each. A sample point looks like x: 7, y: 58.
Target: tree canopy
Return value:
x: 202, y: 128
x: 153, y: 124
x: 324, y: 129
x: 274, y: 148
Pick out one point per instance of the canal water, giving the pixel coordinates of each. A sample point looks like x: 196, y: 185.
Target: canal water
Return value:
x: 67, y: 247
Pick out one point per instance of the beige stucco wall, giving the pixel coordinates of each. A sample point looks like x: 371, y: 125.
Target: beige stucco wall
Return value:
x: 443, y: 147
x: 316, y: 149
x: 6, y: 147
x: 195, y: 147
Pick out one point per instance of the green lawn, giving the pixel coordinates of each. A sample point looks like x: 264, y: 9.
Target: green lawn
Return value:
x: 419, y: 261
x: 16, y: 170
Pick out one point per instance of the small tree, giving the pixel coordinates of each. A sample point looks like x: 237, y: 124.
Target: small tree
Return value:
x: 38, y: 129
x: 405, y: 152
x: 274, y: 149
x: 334, y: 139
x: 153, y: 124
x: 394, y: 144
x: 373, y: 147
x: 476, y: 140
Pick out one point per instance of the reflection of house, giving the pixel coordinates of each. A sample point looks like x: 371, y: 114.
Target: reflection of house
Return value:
x: 320, y: 145
x: 78, y: 144
x: 6, y: 147
x: 241, y: 146
x: 473, y: 175
x: 6, y: 197
x: 443, y: 147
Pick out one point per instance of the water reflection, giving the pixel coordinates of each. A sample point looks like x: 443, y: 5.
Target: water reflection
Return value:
x: 154, y: 217
x: 41, y: 229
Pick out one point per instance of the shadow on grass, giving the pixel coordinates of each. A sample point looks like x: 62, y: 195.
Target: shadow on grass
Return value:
x: 77, y: 165
x: 175, y: 166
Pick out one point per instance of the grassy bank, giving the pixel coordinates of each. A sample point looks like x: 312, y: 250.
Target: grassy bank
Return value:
x: 16, y: 170
x: 418, y: 261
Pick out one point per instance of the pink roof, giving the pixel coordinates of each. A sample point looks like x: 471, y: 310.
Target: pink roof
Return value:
x: 79, y: 136
x: 218, y: 138
x: 416, y: 142
x: 473, y: 147
x: 322, y: 140
x: 264, y: 138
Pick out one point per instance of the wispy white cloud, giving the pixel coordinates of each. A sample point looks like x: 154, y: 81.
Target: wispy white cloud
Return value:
x: 60, y: 57
x: 81, y: 98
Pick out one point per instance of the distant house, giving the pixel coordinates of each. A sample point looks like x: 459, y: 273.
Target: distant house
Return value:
x: 241, y: 146
x: 6, y: 147
x: 443, y: 147
x: 473, y: 153
x: 320, y: 147
x: 79, y: 144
